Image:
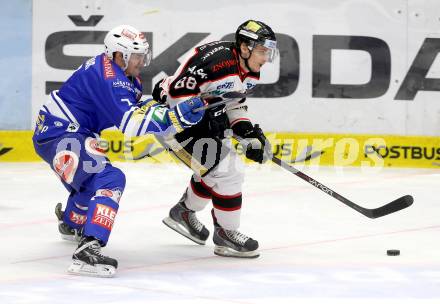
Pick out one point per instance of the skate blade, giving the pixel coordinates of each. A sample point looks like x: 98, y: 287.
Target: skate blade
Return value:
x: 102, y: 271
x: 181, y: 229
x: 229, y: 252
x: 70, y: 238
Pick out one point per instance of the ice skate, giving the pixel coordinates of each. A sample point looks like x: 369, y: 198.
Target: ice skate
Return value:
x: 67, y: 233
x: 231, y: 243
x: 88, y: 260
x: 184, y: 221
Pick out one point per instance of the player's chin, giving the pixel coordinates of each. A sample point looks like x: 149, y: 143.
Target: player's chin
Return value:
x: 257, y: 68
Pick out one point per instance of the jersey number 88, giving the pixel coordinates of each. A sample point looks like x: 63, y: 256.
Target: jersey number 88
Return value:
x: 186, y: 82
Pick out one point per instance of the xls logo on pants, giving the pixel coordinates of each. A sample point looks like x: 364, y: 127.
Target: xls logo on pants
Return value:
x: 4, y: 150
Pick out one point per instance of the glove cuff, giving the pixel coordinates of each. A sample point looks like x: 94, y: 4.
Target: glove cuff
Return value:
x: 243, y: 128
x: 174, y: 121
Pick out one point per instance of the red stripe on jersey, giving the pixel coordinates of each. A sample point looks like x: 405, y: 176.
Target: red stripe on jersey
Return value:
x: 238, y: 120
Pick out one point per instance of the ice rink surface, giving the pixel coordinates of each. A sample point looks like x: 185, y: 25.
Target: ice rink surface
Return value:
x: 314, y: 249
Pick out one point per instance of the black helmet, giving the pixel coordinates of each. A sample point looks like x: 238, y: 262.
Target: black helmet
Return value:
x: 254, y: 32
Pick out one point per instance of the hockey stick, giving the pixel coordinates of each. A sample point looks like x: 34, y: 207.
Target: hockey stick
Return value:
x: 306, y: 155
x: 227, y: 97
x: 396, y: 205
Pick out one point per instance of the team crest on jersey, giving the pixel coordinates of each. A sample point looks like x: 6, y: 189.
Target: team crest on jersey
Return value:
x: 65, y: 164
x: 40, y: 123
x: 104, y: 216
x: 96, y: 146
x: 76, y: 218
x: 159, y: 114
x: 109, y: 72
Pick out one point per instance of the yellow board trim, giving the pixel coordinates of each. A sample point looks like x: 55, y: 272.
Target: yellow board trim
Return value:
x: 326, y: 149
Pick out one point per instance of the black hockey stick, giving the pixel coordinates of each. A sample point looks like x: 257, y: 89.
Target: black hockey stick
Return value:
x: 306, y: 155
x: 226, y: 98
x: 396, y: 205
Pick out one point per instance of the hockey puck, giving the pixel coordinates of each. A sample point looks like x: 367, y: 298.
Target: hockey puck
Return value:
x: 393, y: 252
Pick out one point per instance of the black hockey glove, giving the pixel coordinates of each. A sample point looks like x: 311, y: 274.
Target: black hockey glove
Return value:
x: 257, y: 147
x: 218, y: 123
x: 159, y: 94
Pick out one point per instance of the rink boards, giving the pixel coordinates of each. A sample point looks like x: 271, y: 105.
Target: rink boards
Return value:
x: 340, y: 70
x: 309, y: 148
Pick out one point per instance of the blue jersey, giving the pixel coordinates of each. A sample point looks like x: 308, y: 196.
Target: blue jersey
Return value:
x: 99, y: 95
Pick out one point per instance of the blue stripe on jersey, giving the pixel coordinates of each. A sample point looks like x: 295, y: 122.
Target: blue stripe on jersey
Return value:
x: 127, y: 121
x: 142, y: 124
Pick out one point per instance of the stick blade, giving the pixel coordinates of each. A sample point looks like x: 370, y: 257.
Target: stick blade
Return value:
x: 396, y: 205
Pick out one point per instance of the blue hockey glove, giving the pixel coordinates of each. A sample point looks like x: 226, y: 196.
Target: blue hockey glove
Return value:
x: 182, y: 116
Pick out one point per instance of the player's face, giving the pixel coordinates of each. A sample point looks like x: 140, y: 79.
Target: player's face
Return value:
x: 135, y: 64
x: 259, y: 56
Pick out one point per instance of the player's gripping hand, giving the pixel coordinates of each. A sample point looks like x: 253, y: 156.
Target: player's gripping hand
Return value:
x: 257, y: 147
x: 184, y: 114
x: 159, y: 94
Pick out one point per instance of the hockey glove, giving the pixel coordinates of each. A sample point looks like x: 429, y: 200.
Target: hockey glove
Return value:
x: 182, y: 115
x: 257, y: 147
x: 159, y: 94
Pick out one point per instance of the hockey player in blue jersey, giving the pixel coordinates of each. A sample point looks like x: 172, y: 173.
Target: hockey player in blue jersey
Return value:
x: 104, y: 92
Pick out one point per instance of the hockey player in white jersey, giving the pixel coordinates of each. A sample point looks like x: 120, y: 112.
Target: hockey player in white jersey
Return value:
x: 104, y: 92
x: 215, y: 69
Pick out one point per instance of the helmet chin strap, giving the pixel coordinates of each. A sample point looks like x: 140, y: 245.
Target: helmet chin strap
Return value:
x: 246, y: 60
x: 126, y: 63
x: 247, y: 64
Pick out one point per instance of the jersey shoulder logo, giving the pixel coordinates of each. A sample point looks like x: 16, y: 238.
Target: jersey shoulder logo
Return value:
x: 89, y: 63
x: 109, y: 72
x: 159, y: 114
